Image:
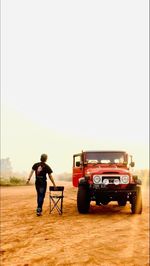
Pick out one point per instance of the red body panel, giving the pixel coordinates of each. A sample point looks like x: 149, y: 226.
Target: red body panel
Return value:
x: 77, y: 173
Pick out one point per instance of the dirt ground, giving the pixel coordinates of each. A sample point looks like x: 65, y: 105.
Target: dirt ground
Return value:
x: 108, y: 235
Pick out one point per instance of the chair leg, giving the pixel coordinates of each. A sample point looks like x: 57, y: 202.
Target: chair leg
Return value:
x: 62, y: 205
x: 55, y: 204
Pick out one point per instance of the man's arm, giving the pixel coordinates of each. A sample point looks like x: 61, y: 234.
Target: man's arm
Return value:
x: 30, y: 175
x: 52, y: 179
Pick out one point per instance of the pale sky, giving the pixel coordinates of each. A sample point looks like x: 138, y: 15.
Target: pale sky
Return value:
x: 74, y: 76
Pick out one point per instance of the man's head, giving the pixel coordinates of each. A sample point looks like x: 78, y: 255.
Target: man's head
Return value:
x: 44, y: 158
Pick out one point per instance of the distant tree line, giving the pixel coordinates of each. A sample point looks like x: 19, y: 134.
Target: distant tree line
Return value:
x: 144, y: 175
x: 5, y: 168
x: 64, y: 176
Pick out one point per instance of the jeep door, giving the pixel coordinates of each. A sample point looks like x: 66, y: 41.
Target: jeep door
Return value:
x: 77, y: 171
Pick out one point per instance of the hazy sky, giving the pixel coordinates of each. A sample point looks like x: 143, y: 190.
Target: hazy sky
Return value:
x: 74, y: 77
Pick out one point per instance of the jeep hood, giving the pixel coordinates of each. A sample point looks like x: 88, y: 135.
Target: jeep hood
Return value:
x: 103, y: 170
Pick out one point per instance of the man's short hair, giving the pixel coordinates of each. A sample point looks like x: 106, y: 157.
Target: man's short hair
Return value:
x: 43, y: 158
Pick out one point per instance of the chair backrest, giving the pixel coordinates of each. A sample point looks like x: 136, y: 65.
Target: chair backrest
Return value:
x: 58, y: 188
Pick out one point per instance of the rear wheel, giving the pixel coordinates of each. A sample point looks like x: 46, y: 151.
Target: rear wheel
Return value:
x: 83, y: 199
x: 136, y: 202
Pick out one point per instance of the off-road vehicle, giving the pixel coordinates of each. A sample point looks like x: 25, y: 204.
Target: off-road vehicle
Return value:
x: 104, y: 176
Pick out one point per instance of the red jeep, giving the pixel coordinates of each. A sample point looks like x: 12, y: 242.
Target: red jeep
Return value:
x: 104, y: 176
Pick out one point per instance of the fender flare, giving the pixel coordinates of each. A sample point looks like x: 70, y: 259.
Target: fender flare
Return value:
x: 83, y: 182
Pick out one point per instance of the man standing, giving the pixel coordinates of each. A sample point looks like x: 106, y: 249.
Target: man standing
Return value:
x: 41, y: 170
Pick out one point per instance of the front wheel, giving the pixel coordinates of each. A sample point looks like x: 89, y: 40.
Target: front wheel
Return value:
x: 83, y: 199
x: 136, y: 203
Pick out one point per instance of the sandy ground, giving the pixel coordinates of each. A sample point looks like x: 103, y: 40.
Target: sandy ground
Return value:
x: 108, y: 235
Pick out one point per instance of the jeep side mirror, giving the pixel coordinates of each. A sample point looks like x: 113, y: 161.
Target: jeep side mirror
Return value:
x: 78, y: 164
x: 132, y: 164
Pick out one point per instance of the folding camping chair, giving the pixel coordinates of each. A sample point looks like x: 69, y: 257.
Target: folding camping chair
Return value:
x: 56, y: 198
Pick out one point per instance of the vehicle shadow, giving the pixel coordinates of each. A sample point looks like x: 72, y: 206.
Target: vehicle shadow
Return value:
x: 110, y: 209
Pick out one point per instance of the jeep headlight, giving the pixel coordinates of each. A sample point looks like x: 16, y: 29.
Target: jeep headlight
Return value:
x: 116, y: 181
x: 124, y: 179
x: 97, y: 179
x: 105, y: 181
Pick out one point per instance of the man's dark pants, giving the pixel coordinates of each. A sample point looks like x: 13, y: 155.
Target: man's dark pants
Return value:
x: 41, y: 190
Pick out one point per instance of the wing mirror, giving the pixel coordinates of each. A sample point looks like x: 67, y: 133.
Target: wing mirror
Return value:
x: 78, y: 164
x: 132, y: 164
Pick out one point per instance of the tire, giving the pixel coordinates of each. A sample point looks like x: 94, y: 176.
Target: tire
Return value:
x: 83, y: 199
x: 136, y: 205
x: 122, y: 202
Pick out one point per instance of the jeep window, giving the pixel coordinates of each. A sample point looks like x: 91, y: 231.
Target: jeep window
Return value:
x: 106, y: 157
x: 77, y: 158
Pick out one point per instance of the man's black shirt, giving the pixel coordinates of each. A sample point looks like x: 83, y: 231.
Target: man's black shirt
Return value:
x: 41, y: 169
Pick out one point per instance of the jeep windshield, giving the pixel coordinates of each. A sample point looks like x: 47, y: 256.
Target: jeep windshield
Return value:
x: 105, y: 157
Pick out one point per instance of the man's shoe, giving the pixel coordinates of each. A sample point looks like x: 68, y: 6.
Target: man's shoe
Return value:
x: 38, y: 212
